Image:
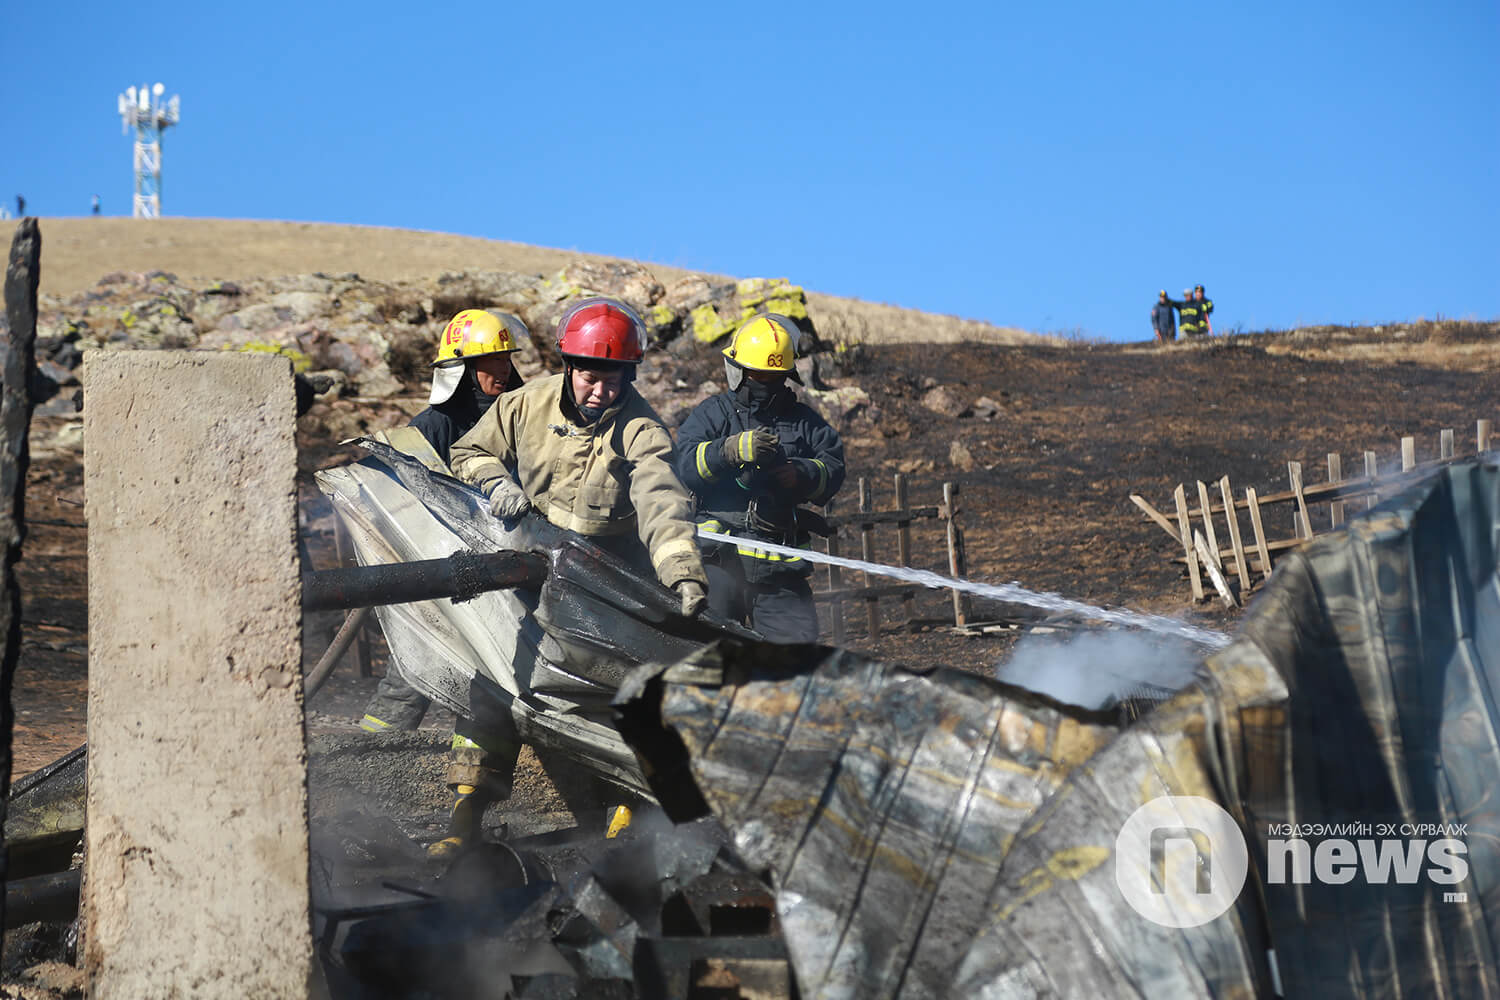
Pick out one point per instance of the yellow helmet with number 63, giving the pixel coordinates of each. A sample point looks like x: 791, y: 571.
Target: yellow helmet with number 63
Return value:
x: 765, y: 343
x: 473, y: 333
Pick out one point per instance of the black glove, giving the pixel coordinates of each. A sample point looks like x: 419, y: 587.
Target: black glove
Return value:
x: 755, y: 447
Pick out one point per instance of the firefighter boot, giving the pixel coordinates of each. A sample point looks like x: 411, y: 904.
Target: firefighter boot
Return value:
x: 469, y: 804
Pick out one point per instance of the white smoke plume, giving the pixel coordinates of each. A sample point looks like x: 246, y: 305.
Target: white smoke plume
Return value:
x: 1099, y: 669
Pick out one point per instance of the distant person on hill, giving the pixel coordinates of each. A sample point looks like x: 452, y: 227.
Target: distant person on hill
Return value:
x: 1163, y: 319
x: 20, y: 207
x: 1189, y: 315
x: 1205, y: 309
x: 95, y: 205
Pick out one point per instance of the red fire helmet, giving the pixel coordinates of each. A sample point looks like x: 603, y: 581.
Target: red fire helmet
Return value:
x: 602, y: 329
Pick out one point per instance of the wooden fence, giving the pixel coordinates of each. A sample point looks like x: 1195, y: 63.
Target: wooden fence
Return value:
x: 1251, y: 556
x: 865, y: 520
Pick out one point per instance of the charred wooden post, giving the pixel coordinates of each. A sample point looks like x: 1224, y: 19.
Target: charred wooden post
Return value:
x: 957, y: 564
x: 867, y: 553
x: 19, y: 342
x: 835, y: 583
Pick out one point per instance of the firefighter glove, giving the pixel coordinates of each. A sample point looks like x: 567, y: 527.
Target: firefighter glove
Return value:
x: 755, y: 447
x: 507, y: 499
x: 694, y: 597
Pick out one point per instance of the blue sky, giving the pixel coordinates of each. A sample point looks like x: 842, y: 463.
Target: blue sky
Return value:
x: 1043, y: 166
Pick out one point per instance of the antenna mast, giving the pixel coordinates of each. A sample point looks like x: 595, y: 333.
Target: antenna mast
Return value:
x: 145, y: 110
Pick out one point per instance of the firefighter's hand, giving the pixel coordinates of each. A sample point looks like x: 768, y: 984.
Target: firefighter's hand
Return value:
x: 751, y: 447
x: 694, y: 597
x: 507, y: 500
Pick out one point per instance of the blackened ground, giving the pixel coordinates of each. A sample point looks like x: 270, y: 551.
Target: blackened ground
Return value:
x: 1045, y: 502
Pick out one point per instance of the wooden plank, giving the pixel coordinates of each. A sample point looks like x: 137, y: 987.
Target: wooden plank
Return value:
x: 903, y: 545
x: 1253, y: 503
x: 835, y: 583
x: 1156, y: 516
x: 1294, y: 473
x: 1372, y: 472
x: 1273, y: 546
x: 1482, y: 436
x: 886, y: 516
x: 1336, y: 475
x: 867, y: 553
x: 1234, y: 536
x: 1185, y: 533
x: 1220, y: 584
x: 956, y: 561
x: 863, y: 593
x: 1445, y: 444
x: 1208, y: 523
x: 1408, y: 454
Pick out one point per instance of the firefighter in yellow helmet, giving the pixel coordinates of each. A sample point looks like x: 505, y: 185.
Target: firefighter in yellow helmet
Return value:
x: 751, y: 455
x: 471, y: 370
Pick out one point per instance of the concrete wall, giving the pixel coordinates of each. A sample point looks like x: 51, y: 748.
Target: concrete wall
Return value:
x: 196, y: 867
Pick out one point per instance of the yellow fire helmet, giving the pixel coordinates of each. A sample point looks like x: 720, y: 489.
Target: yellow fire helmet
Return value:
x: 473, y: 333
x: 766, y: 343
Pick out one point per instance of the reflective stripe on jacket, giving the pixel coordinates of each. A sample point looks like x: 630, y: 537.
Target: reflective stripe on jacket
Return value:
x: 605, y: 478
x: 808, y: 440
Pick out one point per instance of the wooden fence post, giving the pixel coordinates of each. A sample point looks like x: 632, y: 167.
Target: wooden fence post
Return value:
x: 903, y: 546
x: 1482, y: 433
x: 867, y: 553
x: 1408, y: 454
x: 1304, y: 522
x: 1372, y: 473
x: 1185, y: 532
x: 1336, y: 475
x: 835, y: 583
x: 956, y: 560
x: 1208, y: 527
x: 1253, y: 502
x: 1240, y: 568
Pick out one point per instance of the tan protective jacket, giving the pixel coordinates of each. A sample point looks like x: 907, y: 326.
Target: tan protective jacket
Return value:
x: 604, y: 479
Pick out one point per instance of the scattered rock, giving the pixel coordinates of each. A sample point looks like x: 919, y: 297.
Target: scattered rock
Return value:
x: 837, y: 406
x: 986, y: 408
x: 960, y: 458
x: 944, y: 401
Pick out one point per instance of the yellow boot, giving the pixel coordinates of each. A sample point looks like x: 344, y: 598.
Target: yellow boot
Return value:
x: 463, y: 825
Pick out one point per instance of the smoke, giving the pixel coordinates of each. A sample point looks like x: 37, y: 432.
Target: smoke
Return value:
x: 1099, y: 669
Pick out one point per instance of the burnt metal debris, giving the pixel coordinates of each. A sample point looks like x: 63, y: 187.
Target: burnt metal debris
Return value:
x: 934, y: 834
x: 660, y: 913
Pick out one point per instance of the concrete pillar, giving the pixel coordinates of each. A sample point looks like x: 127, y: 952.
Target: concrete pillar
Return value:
x: 196, y: 880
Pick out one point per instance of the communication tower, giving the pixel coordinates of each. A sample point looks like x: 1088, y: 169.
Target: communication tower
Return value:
x: 144, y: 109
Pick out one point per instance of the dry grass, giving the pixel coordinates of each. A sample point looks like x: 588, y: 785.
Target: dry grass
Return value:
x: 77, y: 252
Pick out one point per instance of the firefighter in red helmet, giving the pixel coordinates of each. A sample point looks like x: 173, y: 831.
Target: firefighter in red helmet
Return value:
x: 589, y: 454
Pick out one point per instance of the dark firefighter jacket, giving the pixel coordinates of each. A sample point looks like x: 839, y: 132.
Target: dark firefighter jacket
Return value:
x: 1205, y: 310
x: 446, y: 422
x: 1164, y: 320
x: 1189, y: 317
x: 725, y: 492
